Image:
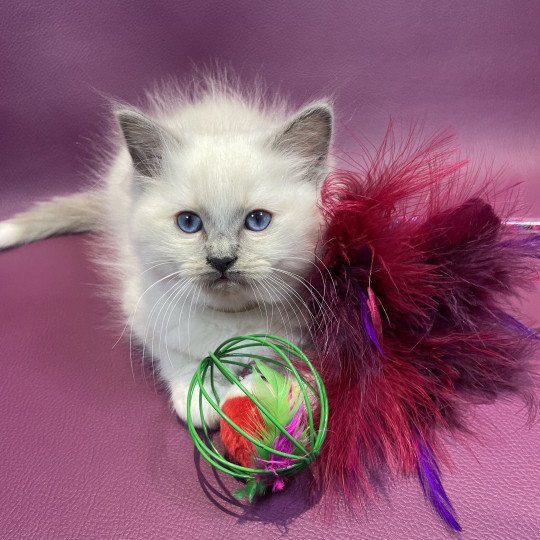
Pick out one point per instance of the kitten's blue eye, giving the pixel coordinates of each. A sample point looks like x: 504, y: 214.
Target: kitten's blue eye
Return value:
x: 258, y: 220
x: 189, y: 222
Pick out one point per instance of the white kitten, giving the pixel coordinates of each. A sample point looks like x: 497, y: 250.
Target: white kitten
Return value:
x: 210, y: 213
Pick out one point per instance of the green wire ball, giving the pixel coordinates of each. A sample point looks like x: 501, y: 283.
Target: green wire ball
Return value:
x: 238, y: 351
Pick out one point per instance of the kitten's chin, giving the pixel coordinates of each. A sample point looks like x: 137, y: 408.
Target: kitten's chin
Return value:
x: 228, y: 296
x: 229, y: 303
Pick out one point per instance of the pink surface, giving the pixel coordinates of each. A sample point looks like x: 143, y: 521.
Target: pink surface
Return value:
x: 89, y: 450
x: 92, y: 450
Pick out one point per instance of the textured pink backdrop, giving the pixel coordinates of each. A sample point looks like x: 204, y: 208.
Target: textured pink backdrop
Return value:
x: 471, y: 66
x: 86, y: 450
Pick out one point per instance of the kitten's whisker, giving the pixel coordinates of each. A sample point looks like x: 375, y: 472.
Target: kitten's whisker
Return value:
x: 271, y: 305
x: 171, y: 293
x: 303, y: 307
x: 314, y: 293
x: 159, y: 305
x: 322, y: 303
x: 189, y: 312
x: 168, y: 300
x: 189, y: 319
x: 259, y: 306
x: 269, y: 288
x: 132, y: 318
x: 291, y: 305
x: 294, y: 294
x: 163, y: 262
x: 313, y: 264
x: 170, y: 310
x: 262, y: 283
x: 174, y: 303
x: 324, y: 314
x: 317, y: 266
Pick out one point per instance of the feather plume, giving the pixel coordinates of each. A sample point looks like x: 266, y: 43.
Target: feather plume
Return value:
x: 415, y: 278
x: 430, y: 480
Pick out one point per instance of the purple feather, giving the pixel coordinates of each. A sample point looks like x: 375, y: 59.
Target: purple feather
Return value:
x: 517, y: 325
x: 430, y: 479
x: 528, y: 241
x: 295, y: 428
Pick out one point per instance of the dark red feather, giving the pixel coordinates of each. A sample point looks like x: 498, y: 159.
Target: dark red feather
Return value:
x: 415, y: 280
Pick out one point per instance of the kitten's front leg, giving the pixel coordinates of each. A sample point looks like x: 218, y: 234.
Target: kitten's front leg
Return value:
x: 179, y: 387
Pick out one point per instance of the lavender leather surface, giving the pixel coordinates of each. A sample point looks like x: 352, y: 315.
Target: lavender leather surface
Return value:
x: 89, y: 448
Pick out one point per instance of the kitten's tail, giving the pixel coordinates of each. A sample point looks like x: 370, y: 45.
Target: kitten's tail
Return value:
x: 79, y: 212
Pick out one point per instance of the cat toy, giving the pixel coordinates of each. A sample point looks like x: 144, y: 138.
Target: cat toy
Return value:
x: 410, y: 304
x: 413, y: 291
x: 271, y: 430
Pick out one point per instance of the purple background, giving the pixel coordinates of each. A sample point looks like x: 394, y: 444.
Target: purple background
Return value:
x: 88, y: 450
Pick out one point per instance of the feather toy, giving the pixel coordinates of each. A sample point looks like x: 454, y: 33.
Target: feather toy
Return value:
x: 413, y: 289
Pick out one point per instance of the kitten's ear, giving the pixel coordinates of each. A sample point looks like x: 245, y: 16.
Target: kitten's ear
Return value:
x: 308, y: 133
x: 145, y: 139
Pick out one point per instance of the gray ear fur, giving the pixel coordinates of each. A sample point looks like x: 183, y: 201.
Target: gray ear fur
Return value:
x: 145, y: 140
x: 308, y: 133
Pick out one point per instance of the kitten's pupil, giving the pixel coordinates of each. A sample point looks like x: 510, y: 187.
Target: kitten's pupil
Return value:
x: 189, y: 222
x: 258, y: 220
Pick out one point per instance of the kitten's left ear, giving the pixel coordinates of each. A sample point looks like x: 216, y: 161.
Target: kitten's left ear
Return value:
x: 308, y: 133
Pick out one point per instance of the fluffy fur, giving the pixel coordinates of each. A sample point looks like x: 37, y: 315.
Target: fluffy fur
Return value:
x: 221, y: 154
x: 414, y: 282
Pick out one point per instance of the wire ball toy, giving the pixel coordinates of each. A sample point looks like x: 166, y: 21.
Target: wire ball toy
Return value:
x: 291, y: 410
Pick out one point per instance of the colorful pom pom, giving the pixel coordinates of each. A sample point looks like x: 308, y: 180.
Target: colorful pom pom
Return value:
x: 275, y: 423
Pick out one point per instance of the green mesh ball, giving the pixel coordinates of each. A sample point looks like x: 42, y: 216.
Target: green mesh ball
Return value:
x: 292, y: 367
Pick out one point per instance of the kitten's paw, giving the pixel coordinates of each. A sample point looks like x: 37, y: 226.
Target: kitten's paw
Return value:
x: 179, y: 388
x: 179, y: 393
x: 233, y: 390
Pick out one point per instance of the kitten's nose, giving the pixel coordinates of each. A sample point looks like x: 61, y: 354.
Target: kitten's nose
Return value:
x: 221, y: 264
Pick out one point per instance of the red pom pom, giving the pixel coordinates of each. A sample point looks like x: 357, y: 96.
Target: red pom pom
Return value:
x: 243, y: 412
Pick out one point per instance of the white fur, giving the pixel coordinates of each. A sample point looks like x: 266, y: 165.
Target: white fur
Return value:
x: 9, y: 235
x: 78, y: 212
x: 218, y: 163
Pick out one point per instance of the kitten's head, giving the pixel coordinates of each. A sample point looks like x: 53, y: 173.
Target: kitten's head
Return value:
x: 230, y: 210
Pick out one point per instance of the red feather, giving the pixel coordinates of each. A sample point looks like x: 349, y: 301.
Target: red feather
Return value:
x: 413, y: 278
x: 244, y: 413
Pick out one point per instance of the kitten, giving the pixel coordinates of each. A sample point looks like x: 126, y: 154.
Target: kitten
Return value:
x: 210, y: 215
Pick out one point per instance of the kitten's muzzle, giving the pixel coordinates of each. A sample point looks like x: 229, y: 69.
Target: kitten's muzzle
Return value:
x: 221, y: 264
